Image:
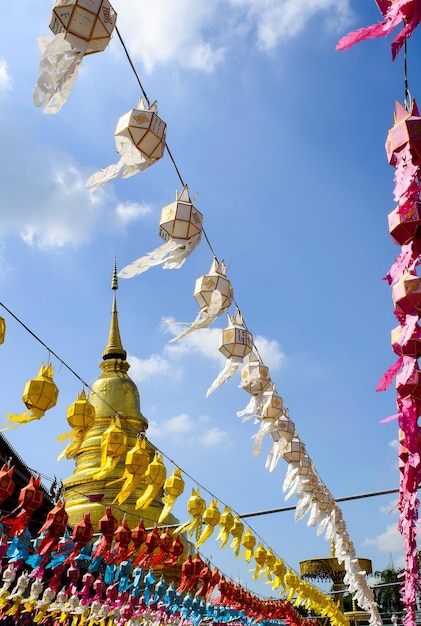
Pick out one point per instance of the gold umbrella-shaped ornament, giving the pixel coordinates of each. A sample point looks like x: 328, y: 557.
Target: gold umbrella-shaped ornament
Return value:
x: 136, y: 464
x: 173, y: 488
x: 255, y: 379
x: 79, y: 28
x: 236, y: 342
x: 80, y: 417
x: 140, y: 142
x: 196, y: 506
x: 154, y: 477
x: 214, y: 294
x: 113, y: 445
x: 211, y: 518
x: 181, y: 227
x: 39, y: 395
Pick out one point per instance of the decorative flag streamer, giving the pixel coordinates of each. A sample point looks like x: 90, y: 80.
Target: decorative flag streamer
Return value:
x: 78, y: 31
x: 140, y: 142
x: 181, y: 229
x: 214, y: 294
x: 236, y: 343
x: 395, y: 12
x: 39, y: 395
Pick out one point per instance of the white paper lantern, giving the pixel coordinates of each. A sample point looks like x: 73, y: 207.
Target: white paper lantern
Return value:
x: 180, y: 220
x: 295, y: 451
x: 87, y: 24
x: 208, y: 284
x: 255, y: 377
x: 144, y: 129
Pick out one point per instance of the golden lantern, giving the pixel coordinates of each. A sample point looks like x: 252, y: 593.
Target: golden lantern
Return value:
x: 2, y: 329
x: 41, y: 393
x: 236, y: 342
x: 87, y: 24
x: 226, y: 522
x: 211, y: 517
x: 237, y: 534
x: 196, y: 506
x: 113, y: 445
x: 248, y: 541
x: 259, y: 556
x: 180, y: 220
x: 136, y: 464
x: 155, y: 477
x: 215, y: 281
x: 173, y: 488
x: 80, y: 417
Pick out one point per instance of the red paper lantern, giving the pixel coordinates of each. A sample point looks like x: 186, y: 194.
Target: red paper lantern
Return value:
x: 404, y: 226
x: 6, y: 482
x: 406, y: 293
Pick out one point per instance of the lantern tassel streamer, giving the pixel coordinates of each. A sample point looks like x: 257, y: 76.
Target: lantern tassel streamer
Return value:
x: 205, y: 317
x: 231, y: 366
x: 59, y: 68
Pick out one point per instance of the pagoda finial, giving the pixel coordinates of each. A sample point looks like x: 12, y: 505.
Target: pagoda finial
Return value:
x: 114, y: 348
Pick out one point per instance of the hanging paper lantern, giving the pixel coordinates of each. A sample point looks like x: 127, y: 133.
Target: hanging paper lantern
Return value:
x: 80, y: 27
x: 236, y: 343
x: 54, y: 526
x: 282, y: 433
x: 154, y: 477
x: 272, y: 409
x: 107, y: 526
x: 255, y: 376
x: 406, y: 344
x: 211, y: 517
x: 2, y: 329
x: 196, y: 506
x: 403, y: 227
x: 136, y: 464
x: 226, y: 522
x: 80, y: 417
x: 259, y: 556
x: 86, y: 24
x: 7, y: 484
x: 295, y: 451
x: 39, y: 395
x: 140, y: 142
x: 408, y: 382
x: 82, y: 533
x: 173, y: 488
x: 406, y: 293
x: 214, y: 294
x: 405, y: 131
x: 113, y: 445
x: 248, y: 541
x: 237, y: 533
x: 181, y: 228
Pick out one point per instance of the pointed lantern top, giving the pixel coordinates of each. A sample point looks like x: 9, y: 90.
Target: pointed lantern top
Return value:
x: 114, y: 348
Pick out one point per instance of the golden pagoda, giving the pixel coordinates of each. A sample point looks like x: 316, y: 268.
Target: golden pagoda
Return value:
x: 115, y: 398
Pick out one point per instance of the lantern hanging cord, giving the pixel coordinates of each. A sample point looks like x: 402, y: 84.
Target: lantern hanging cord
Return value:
x: 407, y: 93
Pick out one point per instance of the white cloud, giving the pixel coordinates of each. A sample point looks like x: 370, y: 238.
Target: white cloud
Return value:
x: 196, y: 35
x: 204, y: 342
x: 191, y: 432
x: 270, y: 352
x: 5, y: 78
x: 144, y: 369
x: 389, y: 541
x: 213, y: 437
x: 131, y: 211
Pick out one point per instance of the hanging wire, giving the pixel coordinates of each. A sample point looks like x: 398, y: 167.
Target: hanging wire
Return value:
x: 407, y: 93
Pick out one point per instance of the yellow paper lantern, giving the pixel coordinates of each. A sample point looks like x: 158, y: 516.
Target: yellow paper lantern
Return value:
x: 113, y: 445
x: 173, y: 488
x: 259, y: 556
x: 87, y: 24
x: 155, y: 477
x: 180, y: 220
x: 237, y: 534
x: 144, y: 130
x: 81, y: 413
x: 208, y: 284
x: 248, y: 541
x: 196, y: 506
x: 41, y: 393
x: 2, y: 329
x: 211, y: 517
x: 136, y: 464
x: 226, y: 522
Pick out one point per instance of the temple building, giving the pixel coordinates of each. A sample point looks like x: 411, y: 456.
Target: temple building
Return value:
x: 115, y: 398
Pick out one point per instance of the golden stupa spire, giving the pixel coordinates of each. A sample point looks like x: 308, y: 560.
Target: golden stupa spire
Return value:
x: 114, y: 348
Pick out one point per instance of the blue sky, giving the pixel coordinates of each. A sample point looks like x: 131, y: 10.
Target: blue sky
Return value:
x: 282, y: 139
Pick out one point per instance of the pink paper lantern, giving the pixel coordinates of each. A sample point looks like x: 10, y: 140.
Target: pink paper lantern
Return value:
x: 409, y: 386
x: 403, y: 226
x: 406, y: 130
x: 406, y: 294
x: 411, y: 347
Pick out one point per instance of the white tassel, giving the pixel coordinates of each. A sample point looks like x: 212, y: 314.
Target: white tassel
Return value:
x: 131, y: 162
x: 303, y: 506
x: 231, y: 366
x: 59, y: 68
x: 205, y: 317
x: 265, y: 428
x: 275, y: 453
x: 171, y: 255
